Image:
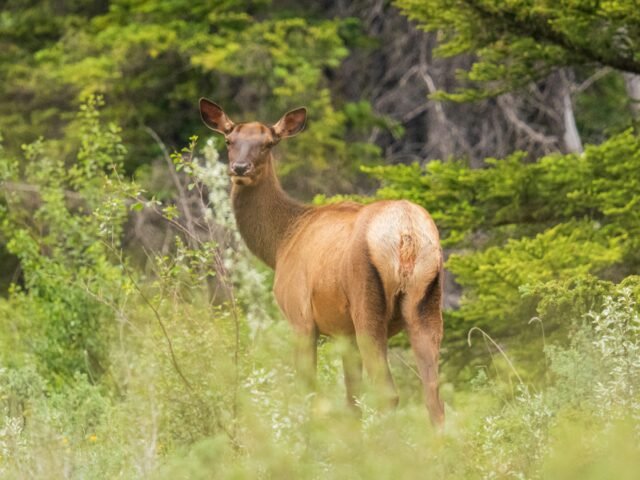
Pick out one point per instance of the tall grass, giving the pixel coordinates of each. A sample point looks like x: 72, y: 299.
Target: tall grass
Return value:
x: 148, y: 423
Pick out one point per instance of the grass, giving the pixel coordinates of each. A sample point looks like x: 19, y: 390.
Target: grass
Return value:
x: 249, y: 420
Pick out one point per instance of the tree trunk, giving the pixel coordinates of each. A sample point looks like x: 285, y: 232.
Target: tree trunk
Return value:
x: 632, y: 83
x: 572, y: 141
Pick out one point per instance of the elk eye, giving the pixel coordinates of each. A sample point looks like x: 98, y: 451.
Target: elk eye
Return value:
x: 227, y: 141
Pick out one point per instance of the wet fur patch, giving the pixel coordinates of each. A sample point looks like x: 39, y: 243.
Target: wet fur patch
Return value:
x: 408, y: 254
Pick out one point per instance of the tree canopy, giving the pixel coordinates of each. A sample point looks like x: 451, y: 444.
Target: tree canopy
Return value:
x: 517, y: 42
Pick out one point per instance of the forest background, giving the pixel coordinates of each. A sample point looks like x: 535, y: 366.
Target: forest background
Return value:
x: 138, y: 338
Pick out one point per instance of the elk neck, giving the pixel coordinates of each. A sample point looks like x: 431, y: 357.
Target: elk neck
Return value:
x: 265, y: 214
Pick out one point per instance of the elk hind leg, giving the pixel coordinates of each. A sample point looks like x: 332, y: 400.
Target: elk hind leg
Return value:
x: 371, y: 323
x: 370, y: 314
x: 422, y: 312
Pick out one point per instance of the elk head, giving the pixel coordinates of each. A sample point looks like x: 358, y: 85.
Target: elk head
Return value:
x: 249, y: 144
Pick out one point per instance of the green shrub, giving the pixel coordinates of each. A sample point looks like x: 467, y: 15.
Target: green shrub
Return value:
x: 61, y: 221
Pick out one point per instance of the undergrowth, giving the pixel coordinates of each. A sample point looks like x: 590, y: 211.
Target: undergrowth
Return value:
x: 107, y: 371
x: 149, y: 423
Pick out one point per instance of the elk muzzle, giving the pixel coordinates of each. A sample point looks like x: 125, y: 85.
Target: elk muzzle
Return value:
x: 240, y: 169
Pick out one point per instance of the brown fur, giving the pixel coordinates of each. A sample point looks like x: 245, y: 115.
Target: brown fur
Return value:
x: 360, y: 271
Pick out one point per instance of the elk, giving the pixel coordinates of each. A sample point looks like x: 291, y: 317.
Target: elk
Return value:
x: 363, y: 272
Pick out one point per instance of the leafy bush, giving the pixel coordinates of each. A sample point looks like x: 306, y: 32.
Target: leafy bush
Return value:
x: 61, y: 220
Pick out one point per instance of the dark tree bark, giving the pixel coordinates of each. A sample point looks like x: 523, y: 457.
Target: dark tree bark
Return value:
x: 399, y: 73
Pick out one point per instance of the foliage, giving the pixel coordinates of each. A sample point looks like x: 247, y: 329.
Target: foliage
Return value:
x: 520, y: 41
x: 152, y: 57
x: 55, y: 220
x: 598, y: 119
x: 600, y: 369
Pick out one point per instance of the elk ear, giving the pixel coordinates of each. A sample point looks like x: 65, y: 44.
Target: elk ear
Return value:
x: 214, y: 117
x: 291, y: 123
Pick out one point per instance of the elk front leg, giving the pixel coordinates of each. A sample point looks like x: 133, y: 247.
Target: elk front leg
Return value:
x: 352, y: 365
x: 306, y: 350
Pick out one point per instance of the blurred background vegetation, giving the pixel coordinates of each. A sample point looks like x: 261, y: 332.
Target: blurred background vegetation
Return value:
x: 138, y: 338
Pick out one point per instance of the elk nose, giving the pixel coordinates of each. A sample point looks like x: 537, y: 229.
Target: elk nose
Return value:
x: 240, y: 168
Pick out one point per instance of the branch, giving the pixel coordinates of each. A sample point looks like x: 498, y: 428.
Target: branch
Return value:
x: 600, y: 73
x: 522, y: 126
